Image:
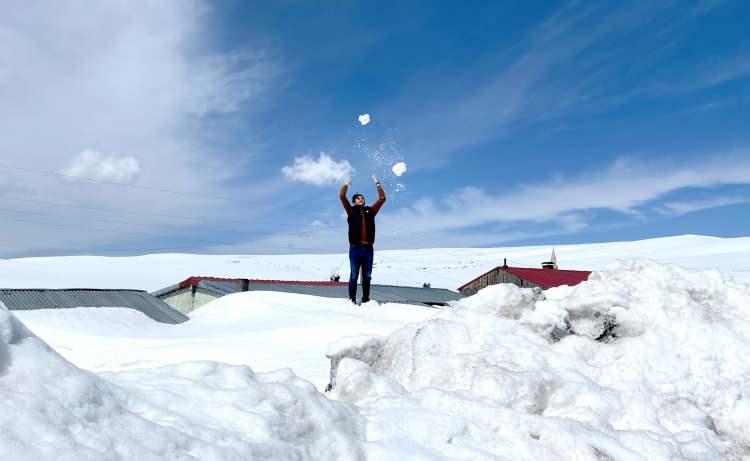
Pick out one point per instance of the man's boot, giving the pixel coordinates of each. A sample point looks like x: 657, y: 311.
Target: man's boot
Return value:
x: 365, y: 290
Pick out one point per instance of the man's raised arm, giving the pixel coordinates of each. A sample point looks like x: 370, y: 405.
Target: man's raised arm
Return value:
x: 381, y: 196
x: 344, y: 199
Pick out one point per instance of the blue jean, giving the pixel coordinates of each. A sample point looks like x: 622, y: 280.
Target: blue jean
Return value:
x: 360, y: 257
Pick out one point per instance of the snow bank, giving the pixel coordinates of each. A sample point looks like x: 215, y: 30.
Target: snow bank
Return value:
x: 643, y: 361
x: 264, y: 330
x: 50, y: 409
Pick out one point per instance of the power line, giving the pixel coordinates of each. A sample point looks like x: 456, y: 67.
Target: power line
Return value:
x: 134, y: 186
x: 187, y: 247
x: 206, y: 242
x: 161, y: 215
x: 130, y: 223
x: 114, y: 183
x: 112, y: 221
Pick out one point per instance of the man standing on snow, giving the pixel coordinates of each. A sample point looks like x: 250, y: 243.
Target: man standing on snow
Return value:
x: 361, y: 219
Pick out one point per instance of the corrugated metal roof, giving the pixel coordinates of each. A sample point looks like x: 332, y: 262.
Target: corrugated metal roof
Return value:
x: 380, y: 293
x: 165, y: 290
x: 29, y: 299
x: 327, y: 289
x: 318, y: 283
x: 196, y: 280
x: 220, y: 288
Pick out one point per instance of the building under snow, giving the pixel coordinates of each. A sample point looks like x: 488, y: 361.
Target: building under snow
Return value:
x: 31, y: 299
x: 194, y: 292
x: 547, y: 277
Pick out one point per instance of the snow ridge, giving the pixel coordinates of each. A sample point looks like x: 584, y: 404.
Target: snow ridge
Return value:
x: 488, y: 379
x: 50, y: 409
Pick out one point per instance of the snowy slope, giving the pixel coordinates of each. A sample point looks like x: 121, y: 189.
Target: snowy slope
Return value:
x: 50, y: 409
x: 486, y: 380
x: 505, y: 374
x: 443, y: 267
x: 643, y: 361
x: 264, y: 330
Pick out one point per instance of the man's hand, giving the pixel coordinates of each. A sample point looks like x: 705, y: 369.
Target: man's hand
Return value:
x: 348, y: 182
x: 375, y: 180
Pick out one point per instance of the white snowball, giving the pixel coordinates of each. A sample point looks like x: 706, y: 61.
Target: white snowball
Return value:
x: 399, y: 168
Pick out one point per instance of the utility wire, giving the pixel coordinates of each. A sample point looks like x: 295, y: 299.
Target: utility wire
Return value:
x: 137, y: 186
x: 114, y: 183
x: 206, y: 242
x: 187, y: 247
x: 145, y: 213
x: 130, y: 223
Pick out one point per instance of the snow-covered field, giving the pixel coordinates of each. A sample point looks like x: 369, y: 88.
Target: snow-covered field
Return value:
x: 264, y: 330
x: 647, y: 360
x: 443, y: 267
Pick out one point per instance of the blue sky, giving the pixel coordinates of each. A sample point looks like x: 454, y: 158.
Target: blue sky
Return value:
x: 533, y: 123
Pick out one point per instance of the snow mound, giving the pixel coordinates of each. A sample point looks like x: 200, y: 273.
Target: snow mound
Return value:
x: 50, y: 409
x: 643, y: 361
x: 399, y: 168
x: 364, y: 119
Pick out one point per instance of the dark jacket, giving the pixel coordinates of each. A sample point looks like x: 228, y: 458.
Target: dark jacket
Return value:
x: 361, y: 219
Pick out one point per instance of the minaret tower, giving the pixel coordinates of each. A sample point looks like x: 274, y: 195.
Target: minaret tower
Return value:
x: 553, y: 260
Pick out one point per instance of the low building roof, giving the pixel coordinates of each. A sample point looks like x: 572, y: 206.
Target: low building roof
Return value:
x: 42, y: 298
x: 326, y: 289
x: 195, y: 280
x: 545, y: 278
x: 549, y: 278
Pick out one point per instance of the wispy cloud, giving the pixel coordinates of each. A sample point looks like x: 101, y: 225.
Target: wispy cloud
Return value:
x: 685, y: 207
x: 560, y: 68
x: 623, y: 187
x: 134, y: 79
x: 707, y: 75
x: 472, y: 216
x: 320, y: 172
x: 93, y: 165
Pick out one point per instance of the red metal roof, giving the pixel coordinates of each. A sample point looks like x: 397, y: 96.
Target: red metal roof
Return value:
x: 194, y: 281
x: 545, y: 278
x: 548, y: 278
x: 297, y: 282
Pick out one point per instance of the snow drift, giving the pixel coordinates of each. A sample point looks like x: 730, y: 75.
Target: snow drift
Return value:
x: 50, y: 409
x: 264, y: 330
x: 643, y: 361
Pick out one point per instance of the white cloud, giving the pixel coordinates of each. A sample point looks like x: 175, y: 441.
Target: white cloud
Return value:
x: 475, y: 217
x: 623, y: 187
x: 364, y: 119
x: 684, y: 207
x: 119, y: 77
x: 321, y: 171
x: 93, y: 165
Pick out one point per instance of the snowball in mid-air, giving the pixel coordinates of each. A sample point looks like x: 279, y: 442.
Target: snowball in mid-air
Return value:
x: 399, y: 168
x: 364, y: 119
